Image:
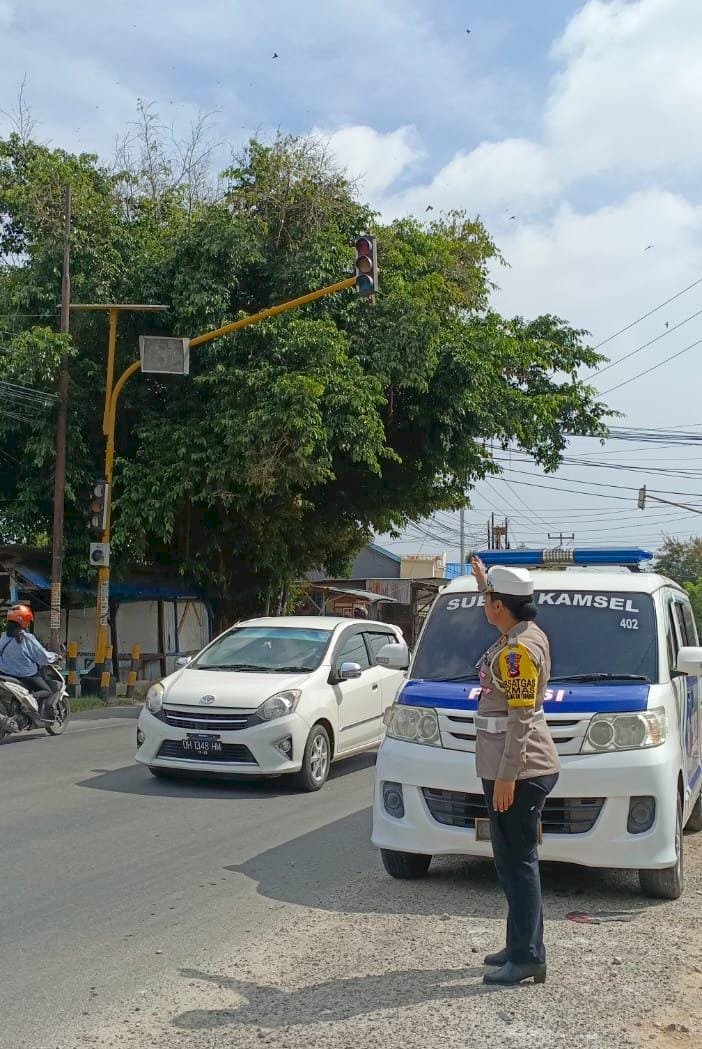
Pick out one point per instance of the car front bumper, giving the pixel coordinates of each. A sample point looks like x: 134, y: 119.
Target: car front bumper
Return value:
x: 249, y: 751
x: 424, y: 772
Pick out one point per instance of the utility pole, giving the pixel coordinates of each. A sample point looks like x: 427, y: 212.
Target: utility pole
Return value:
x: 560, y: 537
x: 61, y: 427
x: 462, y: 526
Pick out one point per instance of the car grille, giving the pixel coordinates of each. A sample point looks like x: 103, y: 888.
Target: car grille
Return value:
x: 230, y: 752
x: 206, y: 720
x: 560, y: 815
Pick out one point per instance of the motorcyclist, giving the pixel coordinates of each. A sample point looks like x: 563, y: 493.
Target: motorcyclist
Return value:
x: 23, y: 658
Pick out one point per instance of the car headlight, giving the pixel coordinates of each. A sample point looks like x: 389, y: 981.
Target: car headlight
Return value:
x: 154, y: 698
x: 280, y: 704
x: 626, y: 731
x: 413, y: 724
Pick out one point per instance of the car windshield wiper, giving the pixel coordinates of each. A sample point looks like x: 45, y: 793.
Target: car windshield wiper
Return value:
x: 292, y: 670
x: 233, y: 666
x: 600, y: 677
x: 455, y: 677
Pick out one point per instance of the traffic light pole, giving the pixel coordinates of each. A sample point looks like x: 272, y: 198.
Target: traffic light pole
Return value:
x: 112, y: 394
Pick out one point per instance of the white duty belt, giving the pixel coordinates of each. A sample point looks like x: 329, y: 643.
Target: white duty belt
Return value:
x: 500, y: 724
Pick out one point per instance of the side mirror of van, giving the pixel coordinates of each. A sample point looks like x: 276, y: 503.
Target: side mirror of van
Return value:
x: 183, y: 661
x: 689, y: 660
x: 394, y: 657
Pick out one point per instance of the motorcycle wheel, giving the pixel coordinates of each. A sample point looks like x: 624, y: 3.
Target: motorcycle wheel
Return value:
x: 62, y: 710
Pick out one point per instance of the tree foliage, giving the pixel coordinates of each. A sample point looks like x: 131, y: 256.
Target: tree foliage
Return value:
x: 294, y: 440
x: 681, y: 560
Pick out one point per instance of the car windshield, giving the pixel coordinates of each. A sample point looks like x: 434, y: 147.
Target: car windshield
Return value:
x: 266, y: 649
x: 593, y: 636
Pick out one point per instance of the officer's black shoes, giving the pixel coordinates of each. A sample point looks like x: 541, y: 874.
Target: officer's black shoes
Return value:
x: 511, y: 974
x: 499, y: 958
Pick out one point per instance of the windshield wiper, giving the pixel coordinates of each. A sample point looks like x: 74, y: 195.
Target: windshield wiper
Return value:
x: 455, y: 677
x: 233, y: 666
x: 601, y: 677
x: 292, y: 670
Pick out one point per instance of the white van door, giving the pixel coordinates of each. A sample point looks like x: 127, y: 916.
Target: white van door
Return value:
x: 687, y: 694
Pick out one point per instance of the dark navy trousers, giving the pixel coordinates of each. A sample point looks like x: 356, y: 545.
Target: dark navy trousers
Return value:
x: 514, y: 837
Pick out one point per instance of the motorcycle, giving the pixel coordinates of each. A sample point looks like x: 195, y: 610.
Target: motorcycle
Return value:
x: 19, y: 708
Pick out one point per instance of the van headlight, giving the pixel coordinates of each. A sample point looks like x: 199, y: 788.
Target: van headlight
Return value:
x: 154, y: 698
x: 626, y: 731
x: 413, y: 724
x: 279, y: 705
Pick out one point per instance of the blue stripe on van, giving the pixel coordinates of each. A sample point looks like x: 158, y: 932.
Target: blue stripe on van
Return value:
x: 608, y: 698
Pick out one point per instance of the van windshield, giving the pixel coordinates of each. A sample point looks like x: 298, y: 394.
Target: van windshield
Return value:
x: 593, y: 636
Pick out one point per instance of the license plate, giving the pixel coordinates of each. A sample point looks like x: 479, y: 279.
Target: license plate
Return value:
x: 201, y: 746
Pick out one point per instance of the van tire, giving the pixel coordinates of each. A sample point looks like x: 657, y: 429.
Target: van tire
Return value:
x: 694, y: 820
x: 668, y: 883
x: 405, y: 865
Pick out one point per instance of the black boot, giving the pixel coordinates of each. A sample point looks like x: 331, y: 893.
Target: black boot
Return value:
x: 47, y: 710
x: 511, y: 974
x: 499, y: 958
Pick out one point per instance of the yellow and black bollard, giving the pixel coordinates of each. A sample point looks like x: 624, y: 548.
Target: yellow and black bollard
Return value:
x: 133, y: 671
x: 72, y: 668
x: 105, y: 675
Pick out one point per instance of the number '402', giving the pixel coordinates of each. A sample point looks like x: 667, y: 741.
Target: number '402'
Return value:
x: 629, y: 624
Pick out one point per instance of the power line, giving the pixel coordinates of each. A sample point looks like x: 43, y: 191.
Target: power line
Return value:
x: 649, y: 314
x: 651, y: 342
x: 653, y: 369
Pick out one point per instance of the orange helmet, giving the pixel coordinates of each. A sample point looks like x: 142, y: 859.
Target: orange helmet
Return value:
x: 21, y: 614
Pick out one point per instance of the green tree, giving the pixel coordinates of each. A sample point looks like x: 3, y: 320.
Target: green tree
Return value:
x: 680, y: 559
x: 294, y: 440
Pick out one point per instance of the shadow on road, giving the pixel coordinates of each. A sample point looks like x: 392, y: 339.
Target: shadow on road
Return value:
x: 456, y: 885
x: 136, y: 779
x: 333, y: 1000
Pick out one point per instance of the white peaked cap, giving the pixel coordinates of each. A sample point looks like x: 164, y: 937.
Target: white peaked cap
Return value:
x: 513, y: 581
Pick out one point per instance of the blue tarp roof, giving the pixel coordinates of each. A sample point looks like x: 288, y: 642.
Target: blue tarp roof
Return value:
x: 122, y: 590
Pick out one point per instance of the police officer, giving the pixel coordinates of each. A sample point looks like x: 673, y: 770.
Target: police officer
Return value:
x: 517, y: 761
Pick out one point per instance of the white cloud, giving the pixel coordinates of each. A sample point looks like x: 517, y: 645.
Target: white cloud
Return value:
x: 375, y: 159
x: 629, y: 98
x: 514, y: 174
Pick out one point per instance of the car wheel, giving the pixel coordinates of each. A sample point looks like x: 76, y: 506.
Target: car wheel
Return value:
x: 694, y: 820
x: 667, y: 884
x: 316, y: 760
x: 405, y: 865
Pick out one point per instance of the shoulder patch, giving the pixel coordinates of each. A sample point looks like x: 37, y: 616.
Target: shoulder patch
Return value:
x: 519, y: 675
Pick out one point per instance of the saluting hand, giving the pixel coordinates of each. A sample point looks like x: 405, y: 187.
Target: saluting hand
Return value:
x: 479, y: 571
x: 503, y: 795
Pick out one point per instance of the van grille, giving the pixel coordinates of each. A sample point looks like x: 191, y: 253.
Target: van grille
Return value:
x: 560, y: 815
x: 458, y: 731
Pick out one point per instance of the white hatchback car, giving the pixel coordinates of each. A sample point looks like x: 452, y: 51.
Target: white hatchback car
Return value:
x: 271, y: 696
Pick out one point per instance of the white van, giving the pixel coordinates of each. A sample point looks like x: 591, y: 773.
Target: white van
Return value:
x: 623, y: 707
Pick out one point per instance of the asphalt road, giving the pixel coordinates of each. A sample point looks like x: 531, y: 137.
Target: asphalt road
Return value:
x: 106, y: 873
x: 139, y: 913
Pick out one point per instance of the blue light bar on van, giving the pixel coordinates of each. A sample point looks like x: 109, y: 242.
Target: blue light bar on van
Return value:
x: 614, y: 555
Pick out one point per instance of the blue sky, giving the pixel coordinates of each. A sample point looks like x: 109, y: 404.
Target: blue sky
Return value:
x: 579, y: 118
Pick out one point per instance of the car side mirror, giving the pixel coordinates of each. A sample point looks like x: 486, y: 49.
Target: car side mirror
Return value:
x: 182, y: 661
x: 349, y: 671
x: 689, y: 660
x: 394, y: 657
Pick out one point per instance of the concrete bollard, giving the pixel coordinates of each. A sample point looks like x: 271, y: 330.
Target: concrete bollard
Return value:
x: 133, y: 671
x: 72, y: 667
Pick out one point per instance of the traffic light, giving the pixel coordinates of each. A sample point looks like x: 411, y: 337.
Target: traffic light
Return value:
x: 642, y: 498
x: 99, y: 507
x: 366, y: 265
